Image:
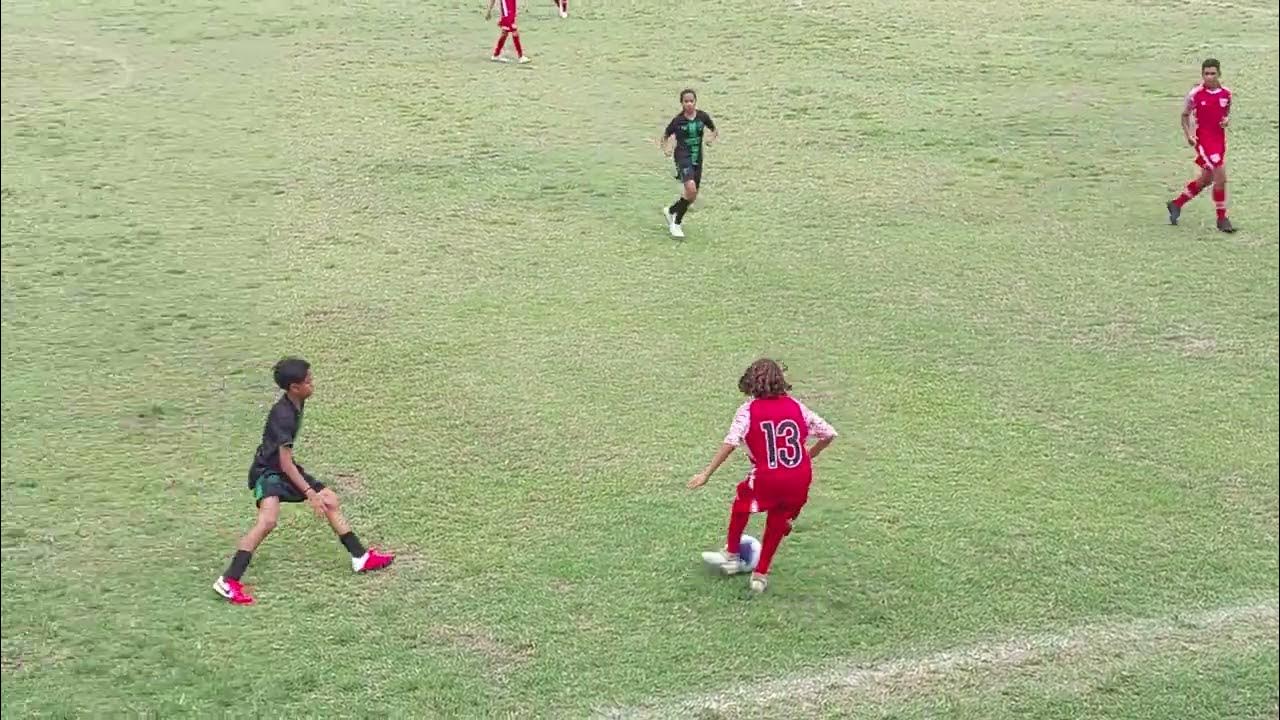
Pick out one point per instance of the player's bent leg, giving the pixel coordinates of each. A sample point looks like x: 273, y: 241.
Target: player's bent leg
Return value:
x: 777, y: 526
x: 268, y: 518
x: 362, y: 559
x: 497, y: 49
x: 228, y: 584
x: 728, y: 561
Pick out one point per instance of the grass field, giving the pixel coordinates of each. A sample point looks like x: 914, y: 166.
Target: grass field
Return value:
x: 1058, y: 415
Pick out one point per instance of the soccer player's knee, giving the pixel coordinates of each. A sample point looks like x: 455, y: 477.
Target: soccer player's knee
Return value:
x: 267, y: 522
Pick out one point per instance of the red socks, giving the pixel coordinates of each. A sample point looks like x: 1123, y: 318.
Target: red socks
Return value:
x: 776, y: 527
x: 1193, y: 189
x: 737, y: 523
x: 515, y: 40
x: 502, y: 40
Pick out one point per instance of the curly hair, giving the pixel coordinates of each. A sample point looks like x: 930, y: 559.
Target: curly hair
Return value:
x: 764, y: 379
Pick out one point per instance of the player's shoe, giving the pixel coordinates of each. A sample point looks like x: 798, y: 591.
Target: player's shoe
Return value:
x: 724, y: 562
x: 759, y: 583
x: 524, y: 59
x: 371, y: 560
x: 676, y: 231
x: 499, y: 58
x: 1174, y: 212
x: 670, y: 216
x: 233, y: 591
x: 1225, y: 226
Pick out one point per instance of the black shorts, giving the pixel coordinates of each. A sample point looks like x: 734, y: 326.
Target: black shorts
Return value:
x: 685, y: 173
x: 275, y: 484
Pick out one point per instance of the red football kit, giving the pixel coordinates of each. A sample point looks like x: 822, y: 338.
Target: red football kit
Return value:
x: 1210, y: 107
x: 775, y: 431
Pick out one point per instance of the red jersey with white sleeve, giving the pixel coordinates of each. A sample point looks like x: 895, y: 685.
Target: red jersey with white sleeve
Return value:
x: 1210, y: 107
x: 775, y: 431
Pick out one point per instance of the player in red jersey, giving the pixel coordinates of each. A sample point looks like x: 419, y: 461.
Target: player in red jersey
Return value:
x: 507, y: 24
x: 775, y: 428
x: 1210, y: 104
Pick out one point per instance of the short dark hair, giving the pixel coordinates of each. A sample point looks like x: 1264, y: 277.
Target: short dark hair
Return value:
x: 290, y: 371
x: 763, y: 379
x: 688, y: 91
x: 1210, y: 63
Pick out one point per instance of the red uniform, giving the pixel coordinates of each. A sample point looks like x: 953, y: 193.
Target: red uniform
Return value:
x: 775, y: 431
x: 507, y: 20
x: 1210, y: 107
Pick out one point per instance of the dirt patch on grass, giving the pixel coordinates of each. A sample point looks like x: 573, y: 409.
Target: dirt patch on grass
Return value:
x: 1108, y: 335
x: 349, y: 483
x: 1191, y: 345
x: 501, y: 658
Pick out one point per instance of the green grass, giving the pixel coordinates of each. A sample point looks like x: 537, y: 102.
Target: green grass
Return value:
x: 946, y: 218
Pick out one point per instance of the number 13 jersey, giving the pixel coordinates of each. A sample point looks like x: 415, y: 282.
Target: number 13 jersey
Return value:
x: 775, y: 431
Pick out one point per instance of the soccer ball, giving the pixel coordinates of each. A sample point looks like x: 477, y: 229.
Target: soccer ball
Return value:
x: 749, y: 551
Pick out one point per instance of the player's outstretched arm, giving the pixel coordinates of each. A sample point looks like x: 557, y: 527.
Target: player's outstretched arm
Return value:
x: 721, y: 455
x: 1186, y: 126
x: 488, y: 12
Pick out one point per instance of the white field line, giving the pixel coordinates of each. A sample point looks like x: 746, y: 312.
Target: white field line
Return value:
x: 998, y: 658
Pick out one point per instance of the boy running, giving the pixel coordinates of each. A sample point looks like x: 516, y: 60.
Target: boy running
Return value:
x: 775, y: 428
x: 274, y: 478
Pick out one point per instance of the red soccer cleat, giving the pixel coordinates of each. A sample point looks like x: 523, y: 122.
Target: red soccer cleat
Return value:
x: 371, y: 560
x: 233, y: 591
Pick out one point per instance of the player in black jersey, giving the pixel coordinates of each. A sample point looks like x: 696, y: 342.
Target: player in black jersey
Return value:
x: 690, y: 129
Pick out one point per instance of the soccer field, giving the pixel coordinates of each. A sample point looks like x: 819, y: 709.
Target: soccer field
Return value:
x: 1054, y: 494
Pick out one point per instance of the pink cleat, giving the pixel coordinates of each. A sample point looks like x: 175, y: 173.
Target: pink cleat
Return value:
x: 371, y: 560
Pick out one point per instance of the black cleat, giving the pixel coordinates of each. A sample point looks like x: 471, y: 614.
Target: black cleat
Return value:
x: 1225, y: 226
x: 1174, y: 212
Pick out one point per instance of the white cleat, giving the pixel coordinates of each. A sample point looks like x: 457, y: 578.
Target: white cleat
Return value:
x: 499, y: 58
x: 670, y: 216
x: 724, y: 563
x: 759, y: 583
x: 524, y: 60
x: 676, y: 231
x: 564, y: 13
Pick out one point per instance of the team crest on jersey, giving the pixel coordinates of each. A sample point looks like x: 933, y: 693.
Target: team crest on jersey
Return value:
x: 1223, y: 102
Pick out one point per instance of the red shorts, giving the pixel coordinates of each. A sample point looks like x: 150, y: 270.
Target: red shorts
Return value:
x: 507, y: 21
x: 755, y: 496
x: 1211, y: 154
